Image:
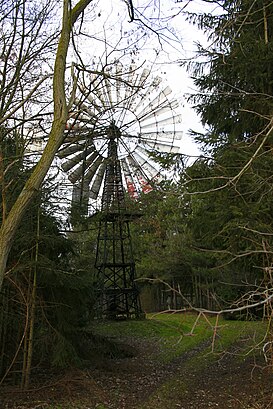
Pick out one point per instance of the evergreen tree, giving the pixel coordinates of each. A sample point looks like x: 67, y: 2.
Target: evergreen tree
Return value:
x: 161, y: 243
x: 46, y: 299
x: 235, y: 76
x: 231, y: 219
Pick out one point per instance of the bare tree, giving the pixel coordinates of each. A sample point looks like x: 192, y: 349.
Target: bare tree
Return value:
x: 12, y: 221
x: 28, y: 41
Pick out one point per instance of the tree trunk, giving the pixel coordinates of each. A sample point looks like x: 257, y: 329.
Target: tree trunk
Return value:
x: 32, y: 186
x: 28, y: 350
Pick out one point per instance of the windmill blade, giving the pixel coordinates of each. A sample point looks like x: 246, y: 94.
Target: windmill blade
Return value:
x: 157, y: 101
x: 131, y: 186
x: 85, y: 96
x: 163, y: 147
x: 163, y: 135
x: 70, y: 149
x: 130, y: 83
x: 125, y: 167
x: 91, y: 95
x: 92, y: 169
x: 98, y: 91
x: 145, y: 156
x: 149, y: 170
x: 145, y: 186
x: 135, y: 166
x: 131, y: 89
x: 76, y: 194
x: 143, y: 78
x: 172, y: 120
x: 160, y: 111
x: 118, y: 82
x: 80, y: 193
x: 105, y: 88
x: 136, y: 99
x: 94, y: 103
x: 140, y: 176
x: 80, y: 171
x: 70, y: 163
x: 83, y: 124
x: 80, y: 196
x: 108, y: 86
x: 83, y: 134
x: 144, y: 98
x: 95, y: 188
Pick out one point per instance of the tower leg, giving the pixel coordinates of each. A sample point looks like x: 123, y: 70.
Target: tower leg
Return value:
x: 117, y: 292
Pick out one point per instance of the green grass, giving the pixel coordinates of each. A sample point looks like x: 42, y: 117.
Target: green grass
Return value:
x: 174, y: 334
x: 175, y: 341
x: 178, y: 333
x: 171, y: 332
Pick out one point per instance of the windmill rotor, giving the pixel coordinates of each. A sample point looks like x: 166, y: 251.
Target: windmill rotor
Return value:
x: 142, y: 114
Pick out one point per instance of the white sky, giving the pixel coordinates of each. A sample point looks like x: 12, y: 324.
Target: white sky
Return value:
x: 109, y: 19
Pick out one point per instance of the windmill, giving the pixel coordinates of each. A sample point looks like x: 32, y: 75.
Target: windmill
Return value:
x: 118, y: 118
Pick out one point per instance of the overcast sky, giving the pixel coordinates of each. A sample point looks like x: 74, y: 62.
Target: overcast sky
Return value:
x: 112, y: 37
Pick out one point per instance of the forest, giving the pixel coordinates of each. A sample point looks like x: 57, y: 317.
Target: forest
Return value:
x: 201, y: 228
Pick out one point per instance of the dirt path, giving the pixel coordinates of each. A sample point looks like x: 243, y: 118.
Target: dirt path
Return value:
x: 141, y: 382
x: 228, y: 382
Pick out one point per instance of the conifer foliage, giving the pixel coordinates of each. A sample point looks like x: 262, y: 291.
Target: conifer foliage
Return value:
x: 235, y: 76
x: 230, y: 187
x: 44, y: 299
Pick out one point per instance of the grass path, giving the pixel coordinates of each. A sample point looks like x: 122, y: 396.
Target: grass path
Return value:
x: 194, y: 363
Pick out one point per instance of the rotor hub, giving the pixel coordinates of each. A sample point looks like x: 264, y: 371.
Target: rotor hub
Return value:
x: 113, y: 132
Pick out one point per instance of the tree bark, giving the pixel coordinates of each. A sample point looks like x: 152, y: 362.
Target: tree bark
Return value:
x: 32, y: 186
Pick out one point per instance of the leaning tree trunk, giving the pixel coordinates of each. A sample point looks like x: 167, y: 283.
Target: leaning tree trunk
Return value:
x: 11, y: 223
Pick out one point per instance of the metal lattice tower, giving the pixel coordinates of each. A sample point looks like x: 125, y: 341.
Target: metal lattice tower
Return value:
x: 117, y: 292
